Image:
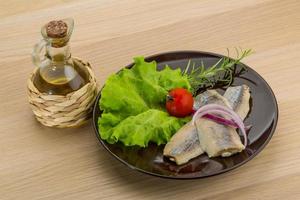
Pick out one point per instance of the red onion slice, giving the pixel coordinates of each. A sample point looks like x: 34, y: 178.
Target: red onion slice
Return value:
x: 227, y: 122
x: 224, y: 111
x: 221, y: 120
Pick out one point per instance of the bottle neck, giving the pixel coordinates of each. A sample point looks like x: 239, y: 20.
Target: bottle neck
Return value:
x: 58, y: 54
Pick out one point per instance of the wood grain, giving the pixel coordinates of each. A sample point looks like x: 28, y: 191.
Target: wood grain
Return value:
x: 44, y: 163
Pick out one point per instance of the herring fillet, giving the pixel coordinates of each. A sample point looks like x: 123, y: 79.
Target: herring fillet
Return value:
x: 238, y: 98
x: 217, y: 139
x: 184, y: 145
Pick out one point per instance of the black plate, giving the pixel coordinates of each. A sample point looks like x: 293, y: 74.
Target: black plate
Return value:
x: 263, y: 116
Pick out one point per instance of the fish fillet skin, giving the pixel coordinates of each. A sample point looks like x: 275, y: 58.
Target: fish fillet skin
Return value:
x: 184, y: 145
x: 238, y: 98
x: 211, y: 97
x: 217, y: 139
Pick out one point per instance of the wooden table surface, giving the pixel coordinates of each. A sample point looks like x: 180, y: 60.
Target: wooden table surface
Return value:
x: 37, y: 162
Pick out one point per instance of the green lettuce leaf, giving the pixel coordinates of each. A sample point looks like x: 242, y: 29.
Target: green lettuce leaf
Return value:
x: 133, y: 108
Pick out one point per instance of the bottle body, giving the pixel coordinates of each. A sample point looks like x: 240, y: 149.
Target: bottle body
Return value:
x: 58, y: 73
x: 61, y: 78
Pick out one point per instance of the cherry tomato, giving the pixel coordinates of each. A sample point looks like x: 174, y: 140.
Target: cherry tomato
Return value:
x: 179, y: 102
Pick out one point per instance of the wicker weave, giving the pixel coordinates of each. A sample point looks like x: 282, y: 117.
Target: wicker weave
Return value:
x: 63, y: 111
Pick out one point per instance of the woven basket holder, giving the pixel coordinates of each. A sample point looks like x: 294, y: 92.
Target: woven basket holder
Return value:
x: 63, y: 111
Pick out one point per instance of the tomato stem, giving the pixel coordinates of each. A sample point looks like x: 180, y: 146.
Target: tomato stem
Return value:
x: 170, y: 98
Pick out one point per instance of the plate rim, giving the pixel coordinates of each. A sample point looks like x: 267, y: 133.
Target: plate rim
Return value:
x: 275, y: 121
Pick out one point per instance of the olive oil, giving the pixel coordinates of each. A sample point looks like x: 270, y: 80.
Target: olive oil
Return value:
x: 58, y: 72
x: 61, y: 79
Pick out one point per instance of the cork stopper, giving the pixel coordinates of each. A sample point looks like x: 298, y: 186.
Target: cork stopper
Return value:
x: 56, y: 29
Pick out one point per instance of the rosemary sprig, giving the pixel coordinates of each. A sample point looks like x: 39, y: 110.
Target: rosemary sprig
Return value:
x: 221, y: 72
